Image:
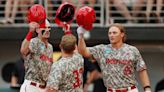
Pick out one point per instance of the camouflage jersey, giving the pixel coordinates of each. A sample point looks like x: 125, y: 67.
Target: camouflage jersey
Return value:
x: 38, y: 62
x: 118, y: 65
x: 66, y: 74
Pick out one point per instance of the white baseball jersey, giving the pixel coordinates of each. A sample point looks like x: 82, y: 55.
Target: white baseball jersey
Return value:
x: 118, y: 65
x: 66, y: 74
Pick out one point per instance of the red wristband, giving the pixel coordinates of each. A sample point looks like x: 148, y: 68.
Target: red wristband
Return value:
x: 68, y: 32
x: 29, y: 36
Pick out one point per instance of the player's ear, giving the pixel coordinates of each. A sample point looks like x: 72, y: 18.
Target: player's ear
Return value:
x: 76, y: 48
x: 122, y: 34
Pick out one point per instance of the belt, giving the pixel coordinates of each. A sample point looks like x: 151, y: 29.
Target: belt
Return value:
x: 121, y: 90
x: 38, y: 85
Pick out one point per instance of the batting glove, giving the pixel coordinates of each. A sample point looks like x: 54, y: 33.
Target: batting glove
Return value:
x: 80, y: 31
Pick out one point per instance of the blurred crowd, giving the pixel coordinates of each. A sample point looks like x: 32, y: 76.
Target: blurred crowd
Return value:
x: 132, y: 11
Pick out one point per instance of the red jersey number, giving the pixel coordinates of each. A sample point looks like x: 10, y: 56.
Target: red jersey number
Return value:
x: 78, y: 80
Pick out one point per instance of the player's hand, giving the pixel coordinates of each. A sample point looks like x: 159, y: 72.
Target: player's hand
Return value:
x: 66, y: 27
x: 33, y: 26
x: 80, y: 31
x: 85, y: 89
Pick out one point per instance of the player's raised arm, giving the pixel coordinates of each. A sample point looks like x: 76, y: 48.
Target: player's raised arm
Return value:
x: 25, y: 44
x: 36, y: 17
x: 85, y: 18
x: 81, y: 43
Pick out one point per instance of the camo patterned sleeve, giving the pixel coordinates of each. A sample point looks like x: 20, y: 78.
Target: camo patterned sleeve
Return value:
x: 55, y: 76
x: 140, y: 64
x: 33, y: 45
x: 96, y: 51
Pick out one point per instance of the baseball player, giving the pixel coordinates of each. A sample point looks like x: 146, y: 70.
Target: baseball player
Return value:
x: 118, y: 60
x: 66, y: 73
x: 37, y: 52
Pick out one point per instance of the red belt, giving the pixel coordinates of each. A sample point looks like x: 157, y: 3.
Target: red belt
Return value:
x: 121, y: 90
x: 40, y: 86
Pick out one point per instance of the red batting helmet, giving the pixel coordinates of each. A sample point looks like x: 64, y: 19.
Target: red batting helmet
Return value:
x: 86, y: 17
x: 65, y: 13
x: 37, y: 14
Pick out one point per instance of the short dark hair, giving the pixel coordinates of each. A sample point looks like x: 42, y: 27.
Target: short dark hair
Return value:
x: 68, y: 43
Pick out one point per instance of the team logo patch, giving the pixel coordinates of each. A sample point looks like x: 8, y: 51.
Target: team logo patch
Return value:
x: 107, y: 51
x: 42, y: 47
